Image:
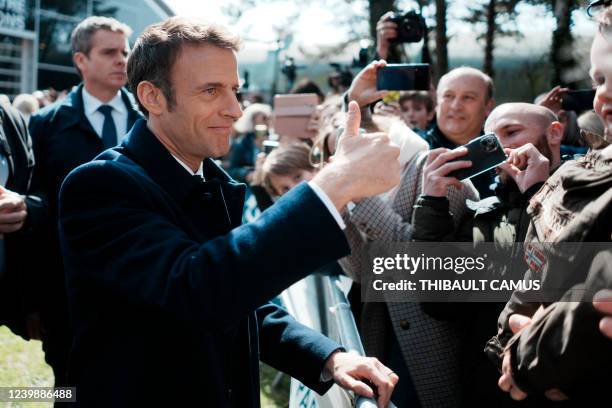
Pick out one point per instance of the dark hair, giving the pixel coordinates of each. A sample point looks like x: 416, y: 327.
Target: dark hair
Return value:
x: 159, y: 45
x: 306, y: 85
x: 419, y: 97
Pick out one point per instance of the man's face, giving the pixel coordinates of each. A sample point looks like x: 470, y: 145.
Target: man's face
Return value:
x: 205, y: 81
x: 601, y: 73
x: 462, y: 107
x: 105, y: 66
x: 415, y: 114
x: 516, y: 129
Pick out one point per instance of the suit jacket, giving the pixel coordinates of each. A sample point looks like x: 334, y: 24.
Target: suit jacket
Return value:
x: 431, y: 348
x: 16, y: 298
x: 63, y: 139
x: 165, y: 288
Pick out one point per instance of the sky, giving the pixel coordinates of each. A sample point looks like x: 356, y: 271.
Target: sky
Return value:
x: 316, y: 27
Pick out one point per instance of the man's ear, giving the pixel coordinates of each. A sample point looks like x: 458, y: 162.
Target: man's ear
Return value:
x: 79, y: 60
x: 554, y: 134
x: 489, y: 105
x: 152, y: 98
x: 430, y: 115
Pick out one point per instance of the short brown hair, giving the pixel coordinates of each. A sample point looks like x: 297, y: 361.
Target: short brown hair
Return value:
x: 80, y: 39
x: 419, y: 97
x: 284, y: 161
x: 159, y: 45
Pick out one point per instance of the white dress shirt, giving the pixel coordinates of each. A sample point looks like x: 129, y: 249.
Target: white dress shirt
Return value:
x: 320, y: 193
x: 96, y: 118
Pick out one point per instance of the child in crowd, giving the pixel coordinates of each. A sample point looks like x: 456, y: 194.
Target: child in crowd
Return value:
x: 417, y: 110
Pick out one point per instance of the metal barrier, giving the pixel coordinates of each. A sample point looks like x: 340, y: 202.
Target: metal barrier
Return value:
x: 347, y: 328
x: 319, y: 302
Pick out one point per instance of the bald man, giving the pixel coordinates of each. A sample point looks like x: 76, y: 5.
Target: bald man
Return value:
x: 464, y: 99
x: 531, y: 136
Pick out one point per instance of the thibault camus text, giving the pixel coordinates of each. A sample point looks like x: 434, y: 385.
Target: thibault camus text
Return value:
x: 412, y: 264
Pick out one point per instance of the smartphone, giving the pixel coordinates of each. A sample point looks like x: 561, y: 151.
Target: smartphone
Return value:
x: 485, y: 152
x: 269, y: 145
x: 292, y: 112
x: 579, y: 100
x: 403, y: 77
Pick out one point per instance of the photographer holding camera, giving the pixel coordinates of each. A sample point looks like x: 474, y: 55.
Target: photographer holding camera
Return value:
x: 394, y: 29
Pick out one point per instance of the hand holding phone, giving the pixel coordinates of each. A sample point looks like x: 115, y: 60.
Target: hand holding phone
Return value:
x: 445, y: 168
x: 440, y: 162
x: 485, y: 152
x: 579, y: 100
x: 403, y: 77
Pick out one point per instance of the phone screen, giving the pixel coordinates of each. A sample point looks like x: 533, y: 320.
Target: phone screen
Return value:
x: 403, y: 77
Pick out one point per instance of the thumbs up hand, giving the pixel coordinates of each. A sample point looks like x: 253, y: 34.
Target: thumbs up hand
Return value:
x: 364, y: 164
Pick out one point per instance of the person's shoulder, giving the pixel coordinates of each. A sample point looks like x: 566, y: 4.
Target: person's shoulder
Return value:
x: 110, y: 172
x: 50, y: 112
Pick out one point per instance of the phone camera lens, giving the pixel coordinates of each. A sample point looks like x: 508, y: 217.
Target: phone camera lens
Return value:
x: 489, y: 144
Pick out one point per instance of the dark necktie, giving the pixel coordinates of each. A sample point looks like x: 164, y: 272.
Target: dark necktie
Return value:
x: 109, y: 131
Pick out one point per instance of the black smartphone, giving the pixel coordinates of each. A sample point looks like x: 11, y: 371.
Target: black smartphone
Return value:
x: 485, y: 152
x: 403, y: 77
x: 579, y: 100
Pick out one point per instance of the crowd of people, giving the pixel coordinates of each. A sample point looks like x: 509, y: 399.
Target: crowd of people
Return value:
x: 123, y: 251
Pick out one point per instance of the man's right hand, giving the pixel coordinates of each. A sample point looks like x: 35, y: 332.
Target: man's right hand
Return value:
x: 363, y: 88
x: 437, y: 167
x: 386, y: 31
x: 364, y: 164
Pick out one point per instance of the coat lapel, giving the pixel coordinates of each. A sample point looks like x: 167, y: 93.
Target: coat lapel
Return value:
x: 208, y: 209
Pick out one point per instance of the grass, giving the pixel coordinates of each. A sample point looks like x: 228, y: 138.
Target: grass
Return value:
x: 22, y: 364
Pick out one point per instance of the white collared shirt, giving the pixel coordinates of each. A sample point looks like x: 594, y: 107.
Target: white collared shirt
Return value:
x: 200, y: 171
x: 96, y: 118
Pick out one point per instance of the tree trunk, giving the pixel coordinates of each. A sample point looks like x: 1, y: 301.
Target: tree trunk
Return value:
x: 441, y: 39
x: 490, y: 39
x: 561, y: 55
x: 426, y: 49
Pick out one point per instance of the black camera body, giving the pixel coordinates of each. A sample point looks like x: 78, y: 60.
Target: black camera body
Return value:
x: 410, y: 27
x: 485, y: 152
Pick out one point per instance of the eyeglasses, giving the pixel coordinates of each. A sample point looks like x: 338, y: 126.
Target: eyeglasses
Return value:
x: 597, y: 4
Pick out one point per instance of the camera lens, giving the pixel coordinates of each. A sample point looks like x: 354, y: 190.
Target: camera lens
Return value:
x: 489, y: 143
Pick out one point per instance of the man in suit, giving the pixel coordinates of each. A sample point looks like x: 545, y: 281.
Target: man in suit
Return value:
x: 165, y: 287
x: 71, y: 132
x: 21, y: 212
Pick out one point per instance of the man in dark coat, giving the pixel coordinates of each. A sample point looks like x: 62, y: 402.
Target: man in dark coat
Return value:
x: 168, y: 294
x: 69, y: 133
x: 21, y: 212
